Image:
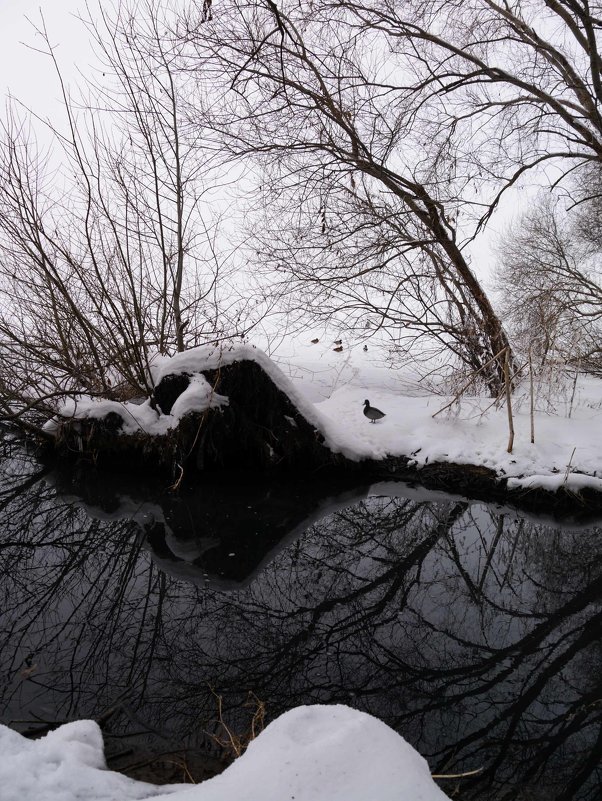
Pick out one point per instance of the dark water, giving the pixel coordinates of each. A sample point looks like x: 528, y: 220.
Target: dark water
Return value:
x: 474, y: 632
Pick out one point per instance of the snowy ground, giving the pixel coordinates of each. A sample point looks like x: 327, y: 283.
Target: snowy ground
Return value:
x: 312, y: 753
x: 329, y: 388
x: 564, y: 448
x: 567, y: 423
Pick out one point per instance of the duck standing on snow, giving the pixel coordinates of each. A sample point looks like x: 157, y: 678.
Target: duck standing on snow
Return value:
x: 372, y: 413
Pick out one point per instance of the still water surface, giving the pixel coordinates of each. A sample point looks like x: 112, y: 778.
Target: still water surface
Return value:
x: 474, y: 632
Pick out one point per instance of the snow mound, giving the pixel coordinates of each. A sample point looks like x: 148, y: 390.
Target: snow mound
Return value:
x: 141, y: 418
x: 66, y: 765
x: 209, y: 357
x: 565, y: 454
x: 312, y: 753
x: 199, y: 396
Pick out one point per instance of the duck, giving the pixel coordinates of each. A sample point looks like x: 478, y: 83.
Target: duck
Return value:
x: 373, y: 414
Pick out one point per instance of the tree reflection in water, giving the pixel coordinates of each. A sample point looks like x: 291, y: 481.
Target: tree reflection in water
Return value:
x: 476, y: 634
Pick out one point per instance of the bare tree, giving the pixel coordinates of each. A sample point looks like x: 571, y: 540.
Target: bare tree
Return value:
x: 365, y: 202
x: 551, y: 283
x: 108, y: 239
x: 414, y: 117
x: 509, y: 86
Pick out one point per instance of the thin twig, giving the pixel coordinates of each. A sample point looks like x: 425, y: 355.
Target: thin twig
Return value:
x: 456, y: 775
x: 532, y: 408
x: 574, y: 386
x: 509, y: 401
x: 568, y: 467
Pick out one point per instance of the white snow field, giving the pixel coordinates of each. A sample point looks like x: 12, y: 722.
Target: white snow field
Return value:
x: 330, y: 391
x: 312, y: 753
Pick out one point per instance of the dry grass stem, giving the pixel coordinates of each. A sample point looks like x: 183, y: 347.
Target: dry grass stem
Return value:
x: 233, y: 743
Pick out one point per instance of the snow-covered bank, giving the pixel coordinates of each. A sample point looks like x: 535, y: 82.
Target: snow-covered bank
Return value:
x: 473, y: 432
x: 312, y: 753
x: 566, y: 453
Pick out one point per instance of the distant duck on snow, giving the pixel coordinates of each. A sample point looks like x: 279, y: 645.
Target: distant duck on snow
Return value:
x: 372, y: 413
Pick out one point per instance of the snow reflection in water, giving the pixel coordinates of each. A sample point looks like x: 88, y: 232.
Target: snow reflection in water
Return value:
x: 476, y: 634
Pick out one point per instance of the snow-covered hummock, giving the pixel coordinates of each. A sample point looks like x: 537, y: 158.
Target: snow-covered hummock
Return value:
x: 198, y: 396
x: 209, y: 357
x: 312, y: 753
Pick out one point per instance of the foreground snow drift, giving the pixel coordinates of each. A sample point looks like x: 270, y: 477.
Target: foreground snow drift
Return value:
x: 312, y: 753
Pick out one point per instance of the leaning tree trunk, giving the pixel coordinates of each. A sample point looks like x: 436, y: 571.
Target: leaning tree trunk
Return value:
x: 489, y: 352
x: 485, y: 351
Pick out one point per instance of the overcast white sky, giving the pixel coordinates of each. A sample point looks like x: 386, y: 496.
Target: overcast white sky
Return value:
x: 28, y: 76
